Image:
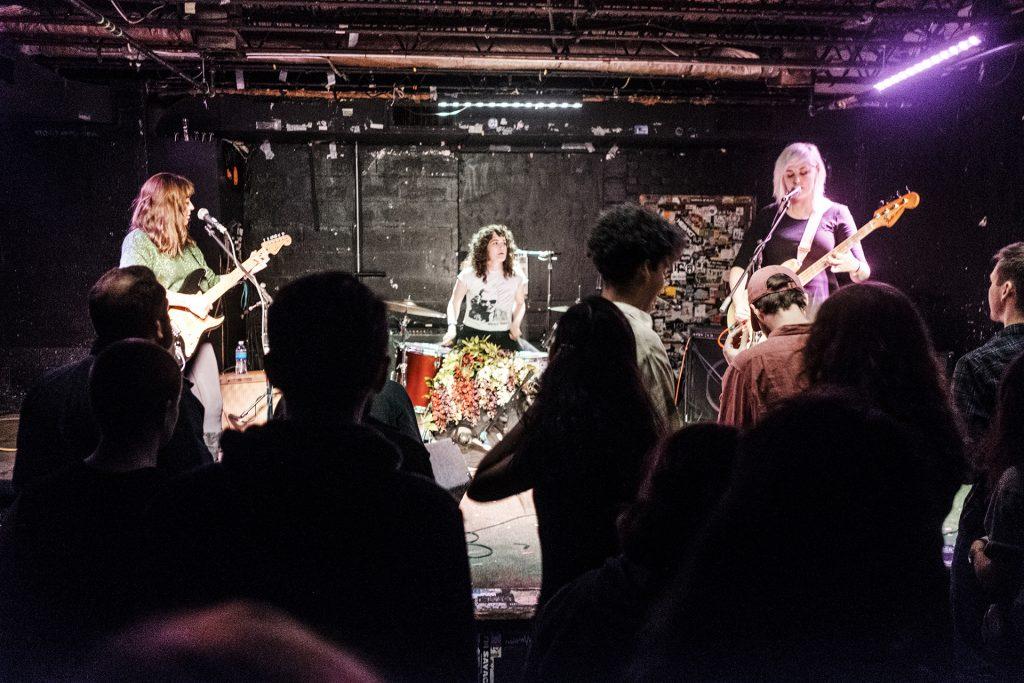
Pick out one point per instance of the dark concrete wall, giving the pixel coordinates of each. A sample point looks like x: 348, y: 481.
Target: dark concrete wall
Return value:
x: 421, y: 205
x: 426, y: 188
x: 65, y: 209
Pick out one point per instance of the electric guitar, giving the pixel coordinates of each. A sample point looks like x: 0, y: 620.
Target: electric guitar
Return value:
x: 188, y: 326
x: 884, y: 217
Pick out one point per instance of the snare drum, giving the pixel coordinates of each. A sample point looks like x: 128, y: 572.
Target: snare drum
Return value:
x: 421, y: 364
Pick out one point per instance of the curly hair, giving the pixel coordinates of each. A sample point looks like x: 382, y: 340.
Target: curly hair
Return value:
x: 477, y: 258
x: 626, y: 237
x: 161, y: 211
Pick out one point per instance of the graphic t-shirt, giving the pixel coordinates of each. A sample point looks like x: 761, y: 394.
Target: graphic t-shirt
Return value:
x: 489, y: 305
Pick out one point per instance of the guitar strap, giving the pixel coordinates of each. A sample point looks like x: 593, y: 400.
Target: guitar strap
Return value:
x: 813, y: 221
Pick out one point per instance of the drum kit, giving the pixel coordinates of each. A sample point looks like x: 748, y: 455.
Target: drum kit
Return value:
x: 419, y: 361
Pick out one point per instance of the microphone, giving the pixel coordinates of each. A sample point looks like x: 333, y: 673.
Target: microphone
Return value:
x: 204, y: 216
x: 795, y: 192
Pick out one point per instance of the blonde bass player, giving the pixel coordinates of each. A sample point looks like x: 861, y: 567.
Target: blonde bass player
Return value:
x: 810, y: 226
x: 159, y: 239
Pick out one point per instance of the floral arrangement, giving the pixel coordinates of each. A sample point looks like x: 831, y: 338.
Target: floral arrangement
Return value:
x: 475, y: 380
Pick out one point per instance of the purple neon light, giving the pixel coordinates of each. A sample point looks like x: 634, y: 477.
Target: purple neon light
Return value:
x: 924, y: 64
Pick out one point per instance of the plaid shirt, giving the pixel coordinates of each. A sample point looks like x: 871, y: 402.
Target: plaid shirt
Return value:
x: 977, y: 375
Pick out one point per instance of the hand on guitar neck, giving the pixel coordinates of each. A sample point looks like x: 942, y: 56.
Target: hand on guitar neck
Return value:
x: 190, y: 313
x: 838, y: 261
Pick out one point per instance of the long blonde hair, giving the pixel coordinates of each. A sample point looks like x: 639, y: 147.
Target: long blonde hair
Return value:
x: 161, y: 211
x: 796, y: 153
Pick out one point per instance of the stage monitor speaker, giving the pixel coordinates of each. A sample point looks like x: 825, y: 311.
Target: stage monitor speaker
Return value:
x: 703, y: 368
x: 448, y: 464
x: 245, y: 399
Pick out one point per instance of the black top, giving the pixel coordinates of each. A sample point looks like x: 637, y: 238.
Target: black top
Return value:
x: 836, y: 225
x: 977, y: 375
x: 68, y: 558
x: 415, y: 456
x: 325, y: 527
x: 56, y: 428
x: 578, y: 493
x: 587, y: 631
x: 392, y: 406
x: 390, y: 423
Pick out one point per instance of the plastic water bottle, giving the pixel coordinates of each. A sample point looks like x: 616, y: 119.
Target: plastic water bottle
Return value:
x: 241, y: 359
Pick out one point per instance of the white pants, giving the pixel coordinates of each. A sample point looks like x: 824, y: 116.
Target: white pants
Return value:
x: 202, y: 371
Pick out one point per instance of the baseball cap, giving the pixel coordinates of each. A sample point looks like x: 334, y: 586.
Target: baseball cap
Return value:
x: 757, y: 287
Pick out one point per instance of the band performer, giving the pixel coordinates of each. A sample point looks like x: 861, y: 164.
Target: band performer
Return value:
x: 811, y: 227
x: 158, y: 239
x: 494, y: 289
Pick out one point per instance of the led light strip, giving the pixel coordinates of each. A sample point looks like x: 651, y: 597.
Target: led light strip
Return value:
x: 924, y: 64
x: 510, y: 105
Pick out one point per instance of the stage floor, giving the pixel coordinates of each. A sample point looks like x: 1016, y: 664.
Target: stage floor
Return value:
x: 504, y: 556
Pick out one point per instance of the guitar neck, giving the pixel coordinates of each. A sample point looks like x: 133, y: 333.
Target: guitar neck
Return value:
x: 808, y: 273
x: 229, y: 280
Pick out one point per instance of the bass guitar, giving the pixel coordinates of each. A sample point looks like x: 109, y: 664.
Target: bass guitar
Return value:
x: 884, y: 217
x: 188, y: 326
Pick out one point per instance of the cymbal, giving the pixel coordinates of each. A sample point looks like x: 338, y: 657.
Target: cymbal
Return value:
x: 408, y: 307
x: 558, y: 309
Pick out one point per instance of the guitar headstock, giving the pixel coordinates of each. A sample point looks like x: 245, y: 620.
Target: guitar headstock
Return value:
x: 271, y: 246
x: 890, y: 212
x: 275, y: 243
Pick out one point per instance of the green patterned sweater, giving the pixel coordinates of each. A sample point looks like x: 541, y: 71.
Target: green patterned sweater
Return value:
x: 138, y: 250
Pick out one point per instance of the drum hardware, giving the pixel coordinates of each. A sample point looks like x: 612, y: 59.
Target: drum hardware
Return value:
x: 407, y: 308
x: 549, y: 337
x: 548, y: 257
x: 421, y: 363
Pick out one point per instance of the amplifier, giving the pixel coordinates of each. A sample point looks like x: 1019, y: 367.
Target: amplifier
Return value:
x: 704, y: 367
x: 706, y: 332
x: 245, y: 398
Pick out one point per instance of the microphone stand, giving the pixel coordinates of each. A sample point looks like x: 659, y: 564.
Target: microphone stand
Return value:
x: 265, y: 302
x: 549, y: 257
x: 755, y: 259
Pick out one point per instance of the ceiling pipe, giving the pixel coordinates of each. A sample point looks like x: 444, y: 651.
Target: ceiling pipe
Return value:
x: 711, y: 66
x: 756, y: 11
x: 182, y: 32
x: 118, y: 31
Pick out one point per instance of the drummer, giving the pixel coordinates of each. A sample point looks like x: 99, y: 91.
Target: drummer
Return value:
x: 496, y: 291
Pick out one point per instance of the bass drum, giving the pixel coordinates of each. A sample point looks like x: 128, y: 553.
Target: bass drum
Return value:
x: 421, y: 364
